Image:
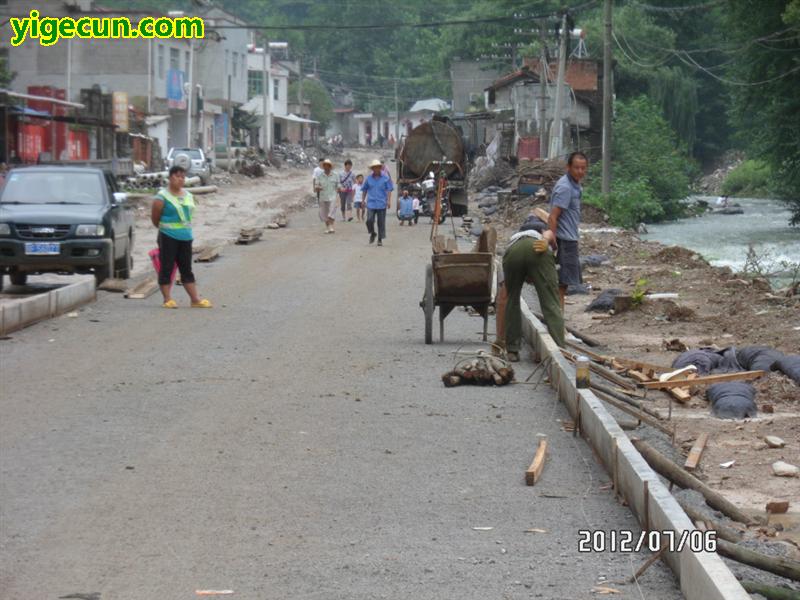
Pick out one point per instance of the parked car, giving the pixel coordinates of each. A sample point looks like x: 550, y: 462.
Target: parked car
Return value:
x: 193, y: 160
x: 63, y: 219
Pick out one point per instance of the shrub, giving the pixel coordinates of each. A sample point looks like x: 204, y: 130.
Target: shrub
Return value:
x: 752, y: 178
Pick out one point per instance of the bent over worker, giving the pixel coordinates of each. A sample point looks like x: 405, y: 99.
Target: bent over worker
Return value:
x: 172, y: 212
x: 528, y: 260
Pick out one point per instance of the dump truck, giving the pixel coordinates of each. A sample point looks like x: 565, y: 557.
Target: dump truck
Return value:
x: 432, y: 147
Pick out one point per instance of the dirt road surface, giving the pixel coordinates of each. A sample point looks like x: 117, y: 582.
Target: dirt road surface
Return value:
x: 293, y: 442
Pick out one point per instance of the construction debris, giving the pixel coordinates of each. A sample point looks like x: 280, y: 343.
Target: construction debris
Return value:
x: 534, y: 472
x: 249, y: 235
x: 484, y: 369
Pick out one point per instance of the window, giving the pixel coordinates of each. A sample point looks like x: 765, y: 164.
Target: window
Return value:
x: 244, y: 68
x: 186, y: 62
x: 254, y: 83
x: 161, y: 61
x: 276, y: 89
x: 174, y: 59
x: 235, y: 62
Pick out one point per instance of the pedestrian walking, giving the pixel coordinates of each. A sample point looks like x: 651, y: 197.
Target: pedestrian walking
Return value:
x: 172, y: 212
x: 327, y: 185
x: 405, y: 209
x: 358, y: 201
x: 565, y: 218
x: 377, y: 192
x: 415, y: 208
x: 347, y: 182
x: 318, y: 170
x: 528, y: 260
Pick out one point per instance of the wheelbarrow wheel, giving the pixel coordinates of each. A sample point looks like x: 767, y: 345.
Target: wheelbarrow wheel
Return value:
x: 428, y: 304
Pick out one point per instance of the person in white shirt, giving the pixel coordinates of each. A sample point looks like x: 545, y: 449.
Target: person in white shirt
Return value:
x: 415, y: 206
x: 358, y: 201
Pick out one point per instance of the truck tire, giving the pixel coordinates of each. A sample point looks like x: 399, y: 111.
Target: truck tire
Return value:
x: 18, y: 278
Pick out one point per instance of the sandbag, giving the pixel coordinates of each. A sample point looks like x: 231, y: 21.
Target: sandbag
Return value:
x: 732, y: 400
x: 705, y: 359
x: 605, y: 301
x: 758, y: 358
x: 728, y: 362
x: 789, y: 365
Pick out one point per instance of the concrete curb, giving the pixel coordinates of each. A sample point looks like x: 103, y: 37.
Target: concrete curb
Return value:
x: 18, y: 314
x: 702, y: 575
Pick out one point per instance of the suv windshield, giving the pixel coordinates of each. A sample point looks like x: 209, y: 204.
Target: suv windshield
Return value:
x: 191, y: 153
x: 52, y: 187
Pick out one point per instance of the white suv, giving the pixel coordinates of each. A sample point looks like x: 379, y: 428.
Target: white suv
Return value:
x: 193, y: 160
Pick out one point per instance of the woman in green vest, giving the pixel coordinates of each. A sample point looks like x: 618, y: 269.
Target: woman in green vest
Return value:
x: 172, y: 213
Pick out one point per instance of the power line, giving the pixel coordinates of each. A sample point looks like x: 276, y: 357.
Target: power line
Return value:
x: 398, y: 25
x: 694, y: 64
x: 677, y: 9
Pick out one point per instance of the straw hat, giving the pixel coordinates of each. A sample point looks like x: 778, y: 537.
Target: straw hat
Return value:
x: 375, y: 163
x: 327, y: 162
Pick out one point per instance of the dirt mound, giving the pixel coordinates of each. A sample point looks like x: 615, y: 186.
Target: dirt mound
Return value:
x: 676, y: 255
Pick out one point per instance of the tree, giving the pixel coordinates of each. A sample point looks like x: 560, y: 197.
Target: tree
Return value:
x: 321, y: 104
x: 766, y: 106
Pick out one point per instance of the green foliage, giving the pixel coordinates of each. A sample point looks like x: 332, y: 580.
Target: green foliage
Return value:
x: 751, y: 179
x: 639, y: 292
x: 321, y: 103
x: 6, y: 76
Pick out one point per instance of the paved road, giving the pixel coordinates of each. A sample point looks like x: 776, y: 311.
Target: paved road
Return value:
x: 294, y: 442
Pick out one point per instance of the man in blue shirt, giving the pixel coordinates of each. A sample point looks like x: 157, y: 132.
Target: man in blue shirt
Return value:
x: 565, y: 218
x: 405, y: 208
x: 377, y: 191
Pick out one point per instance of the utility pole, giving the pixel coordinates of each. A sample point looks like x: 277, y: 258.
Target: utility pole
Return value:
x: 189, y: 96
x: 396, y: 116
x: 608, y: 85
x: 555, y: 130
x: 544, y: 69
x: 266, y: 67
x: 300, y: 93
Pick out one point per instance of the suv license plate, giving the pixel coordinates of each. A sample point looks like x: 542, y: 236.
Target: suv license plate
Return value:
x: 43, y: 249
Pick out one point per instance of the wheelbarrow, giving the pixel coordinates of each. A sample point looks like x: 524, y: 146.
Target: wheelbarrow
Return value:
x: 459, y: 279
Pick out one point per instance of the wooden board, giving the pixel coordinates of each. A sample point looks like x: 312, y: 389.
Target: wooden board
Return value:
x: 696, y: 452
x: 438, y: 244
x: 682, y: 395
x: 639, y: 376
x: 534, y: 472
x: 542, y: 214
x: 640, y: 365
x: 452, y: 246
x: 209, y: 254
x: 114, y: 285
x: 707, y: 380
x: 143, y: 290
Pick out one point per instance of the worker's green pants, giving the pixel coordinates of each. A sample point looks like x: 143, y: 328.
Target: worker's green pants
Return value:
x: 521, y: 262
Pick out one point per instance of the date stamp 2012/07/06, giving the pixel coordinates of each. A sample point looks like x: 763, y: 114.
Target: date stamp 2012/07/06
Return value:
x: 624, y: 540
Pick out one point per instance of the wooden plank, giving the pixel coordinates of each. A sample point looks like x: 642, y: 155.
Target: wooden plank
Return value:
x: 114, y: 285
x: 438, y: 244
x: 696, y: 452
x: 588, y: 352
x: 542, y: 214
x: 640, y: 365
x: 707, y: 380
x: 145, y: 289
x: 452, y: 246
x: 209, y: 254
x: 639, y: 376
x: 682, y: 395
x: 534, y: 472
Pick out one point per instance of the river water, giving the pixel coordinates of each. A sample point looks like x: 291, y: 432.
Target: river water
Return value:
x: 723, y: 239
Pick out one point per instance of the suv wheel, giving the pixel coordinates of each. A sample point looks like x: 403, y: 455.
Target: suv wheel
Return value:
x: 18, y: 278
x: 101, y: 273
x: 125, y: 265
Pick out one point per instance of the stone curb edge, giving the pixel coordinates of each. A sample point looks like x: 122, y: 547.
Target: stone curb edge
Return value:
x: 18, y: 314
x: 702, y: 575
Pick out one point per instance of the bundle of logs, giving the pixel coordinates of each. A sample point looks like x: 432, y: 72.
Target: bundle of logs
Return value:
x: 484, y: 369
